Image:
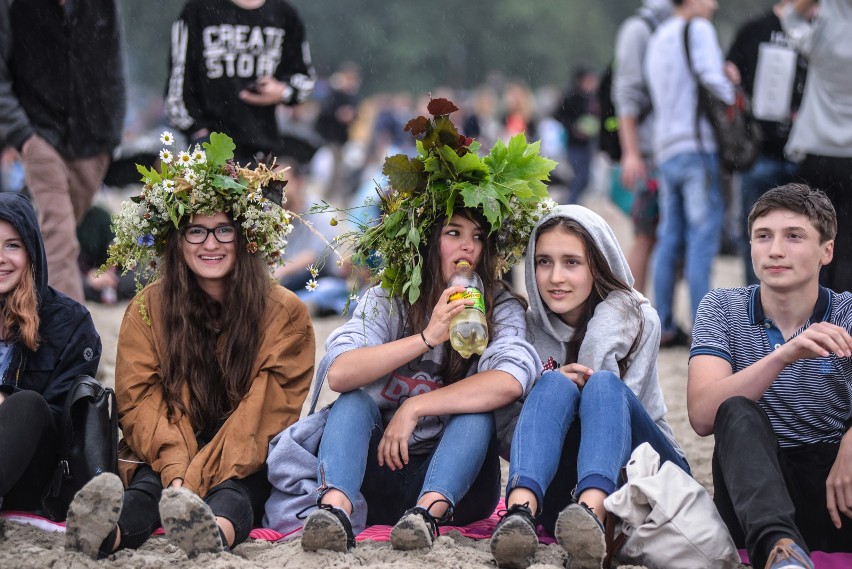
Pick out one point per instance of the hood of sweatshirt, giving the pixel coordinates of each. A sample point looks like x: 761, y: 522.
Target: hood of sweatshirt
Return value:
x: 19, y: 212
x: 602, y: 235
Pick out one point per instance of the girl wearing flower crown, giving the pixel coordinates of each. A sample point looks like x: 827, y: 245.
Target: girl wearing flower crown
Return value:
x: 598, y: 399
x: 411, y: 439
x: 213, y: 360
x: 47, y: 340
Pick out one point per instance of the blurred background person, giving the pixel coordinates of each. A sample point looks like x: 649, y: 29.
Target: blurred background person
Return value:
x: 62, y: 106
x: 822, y: 133
x: 232, y: 63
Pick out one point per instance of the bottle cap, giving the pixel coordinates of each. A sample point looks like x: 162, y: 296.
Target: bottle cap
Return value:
x: 462, y: 265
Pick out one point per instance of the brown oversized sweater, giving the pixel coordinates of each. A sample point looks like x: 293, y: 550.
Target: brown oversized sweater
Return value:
x: 282, y: 375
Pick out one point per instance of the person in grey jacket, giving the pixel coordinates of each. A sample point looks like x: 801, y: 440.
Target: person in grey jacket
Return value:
x: 413, y: 424
x: 822, y: 132
x: 598, y: 399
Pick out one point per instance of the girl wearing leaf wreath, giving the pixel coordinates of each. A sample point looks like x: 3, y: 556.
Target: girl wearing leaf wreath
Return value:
x: 598, y: 399
x: 413, y: 429
x: 47, y: 340
x: 213, y: 358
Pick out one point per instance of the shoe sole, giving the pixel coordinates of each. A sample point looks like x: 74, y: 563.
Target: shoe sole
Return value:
x: 189, y: 523
x: 323, y: 531
x: 93, y: 514
x: 514, y: 544
x: 581, y: 536
x: 411, y: 532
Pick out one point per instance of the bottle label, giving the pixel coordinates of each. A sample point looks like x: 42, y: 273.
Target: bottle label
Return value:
x: 474, y: 294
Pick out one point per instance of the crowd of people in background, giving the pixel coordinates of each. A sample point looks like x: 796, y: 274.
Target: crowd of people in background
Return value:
x: 244, y: 68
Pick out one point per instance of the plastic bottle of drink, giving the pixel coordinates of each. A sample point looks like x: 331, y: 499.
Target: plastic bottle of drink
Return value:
x: 468, y: 330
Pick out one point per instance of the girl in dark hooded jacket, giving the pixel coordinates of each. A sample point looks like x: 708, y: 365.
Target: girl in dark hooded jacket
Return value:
x: 47, y: 340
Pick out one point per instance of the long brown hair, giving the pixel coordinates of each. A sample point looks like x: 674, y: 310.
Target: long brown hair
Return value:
x: 20, y: 313
x: 192, y: 322
x: 454, y: 367
x: 604, y: 282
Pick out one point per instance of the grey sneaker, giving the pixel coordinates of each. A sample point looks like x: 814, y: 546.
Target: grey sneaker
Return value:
x: 581, y: 534
x: 189, y: 523
x: 94, y: 514
x: 416, y: 529
x: 515, y: 540
x: 328, y: 528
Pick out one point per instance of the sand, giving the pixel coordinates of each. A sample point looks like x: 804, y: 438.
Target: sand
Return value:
x: 27, y: 547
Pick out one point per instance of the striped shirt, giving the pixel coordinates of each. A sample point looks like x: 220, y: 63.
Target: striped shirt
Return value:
x: 811, y: 400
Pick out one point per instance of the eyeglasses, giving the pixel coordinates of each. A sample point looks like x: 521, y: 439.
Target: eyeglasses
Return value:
x: 197, y: 234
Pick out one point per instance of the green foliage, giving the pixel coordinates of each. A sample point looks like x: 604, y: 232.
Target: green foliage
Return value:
x: 506, y: 186
x: 220, y: 149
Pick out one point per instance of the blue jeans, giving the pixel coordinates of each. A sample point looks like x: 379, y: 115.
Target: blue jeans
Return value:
x: 464, y: 467
x: 584, y: 435
x: 765, y: 174
x: 691, y: 216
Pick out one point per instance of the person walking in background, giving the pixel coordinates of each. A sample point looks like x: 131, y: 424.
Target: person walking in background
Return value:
x: 822, y: 133
x: 764, y: 38
x: 232, y: 62
x: 337, y: 114
x: 578, y: 113
x: 636, y: 130
x: 62, y: 106
x: 691, y: 205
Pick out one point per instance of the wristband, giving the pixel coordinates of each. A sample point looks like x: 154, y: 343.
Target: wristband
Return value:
x: 425, y: 341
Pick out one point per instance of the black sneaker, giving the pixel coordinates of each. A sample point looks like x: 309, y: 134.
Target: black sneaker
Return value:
x: 189, y: 522
x: 417, y: 528
x: 515, y: 541
x: 675, y: 339
x: 328, y: 528
x: 581, y: 534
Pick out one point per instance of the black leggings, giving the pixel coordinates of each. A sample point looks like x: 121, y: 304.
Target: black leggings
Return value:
x: 240, y: 501
x: 29, y: 450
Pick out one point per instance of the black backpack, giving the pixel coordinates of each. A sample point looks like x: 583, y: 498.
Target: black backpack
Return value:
x: 89, y: 442
x: 739, y: 137
x: 608, y: 135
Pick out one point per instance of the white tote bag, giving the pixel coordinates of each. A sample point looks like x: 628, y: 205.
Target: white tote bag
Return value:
x: 668, y: 519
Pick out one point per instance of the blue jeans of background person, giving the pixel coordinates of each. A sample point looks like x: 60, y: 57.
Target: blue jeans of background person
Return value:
x: 580, y: 157
x: 767, y: 173
x: 464, y: 466
x: 611, y: 421
x: 691, y: 216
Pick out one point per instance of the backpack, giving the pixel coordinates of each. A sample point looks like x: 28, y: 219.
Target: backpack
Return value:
x: 739, y: 137
x: 89, y: 442
x: 608, y: 141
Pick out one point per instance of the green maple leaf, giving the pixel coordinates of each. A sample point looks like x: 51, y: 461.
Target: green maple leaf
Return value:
x: 404, y: 173
x: 220, y: 149
x: 469, y: 167
x: 486, y: 196
x: 149, y: 175
x: 519, y: 168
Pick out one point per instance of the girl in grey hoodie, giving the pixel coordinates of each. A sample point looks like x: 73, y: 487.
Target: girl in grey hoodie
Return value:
x: 412, y: 429
x: 598, y: 399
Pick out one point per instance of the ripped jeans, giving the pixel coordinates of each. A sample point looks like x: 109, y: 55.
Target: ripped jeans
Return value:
x: 567, y: 437
x: 464, y: 467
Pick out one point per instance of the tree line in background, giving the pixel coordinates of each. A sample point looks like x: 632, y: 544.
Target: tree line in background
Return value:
x: 418, y: 46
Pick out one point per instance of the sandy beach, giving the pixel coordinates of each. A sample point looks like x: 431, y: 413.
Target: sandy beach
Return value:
x: 26, y: 546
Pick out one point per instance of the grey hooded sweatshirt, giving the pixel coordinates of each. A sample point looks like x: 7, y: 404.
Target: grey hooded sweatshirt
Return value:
x: 610, y: 332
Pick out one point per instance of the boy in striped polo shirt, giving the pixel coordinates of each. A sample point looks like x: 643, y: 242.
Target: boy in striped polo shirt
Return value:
x: 770, y: 375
